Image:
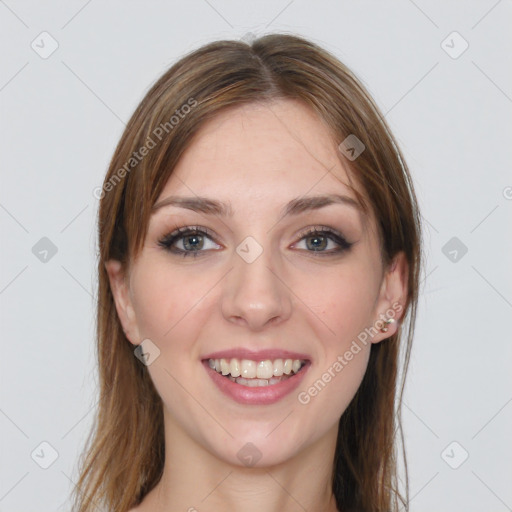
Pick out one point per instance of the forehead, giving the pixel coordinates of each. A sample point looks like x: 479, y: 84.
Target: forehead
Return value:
x: 274, y: 149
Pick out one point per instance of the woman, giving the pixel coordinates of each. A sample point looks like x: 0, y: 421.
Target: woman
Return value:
x: 259, y: 255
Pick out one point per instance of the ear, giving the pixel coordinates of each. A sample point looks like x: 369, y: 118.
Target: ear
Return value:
x: 121, y: 293
x: 392, y: 297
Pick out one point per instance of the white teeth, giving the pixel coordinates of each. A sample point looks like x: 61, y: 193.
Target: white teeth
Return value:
x: 265, y: 369
x: 247, y: 369
x: 235, y: 368
x: 256, y: 373
x: 251, y: 383
x: 224, y: 367
x: 278, y: 368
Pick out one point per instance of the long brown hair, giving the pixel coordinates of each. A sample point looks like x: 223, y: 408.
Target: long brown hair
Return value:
x: 125, y: 450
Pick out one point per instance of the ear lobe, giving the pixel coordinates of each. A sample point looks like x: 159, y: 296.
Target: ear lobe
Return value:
x: 392, y: 298
x: 121, y: 293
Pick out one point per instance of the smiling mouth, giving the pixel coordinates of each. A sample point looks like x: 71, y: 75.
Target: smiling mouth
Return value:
x: 251, y: 373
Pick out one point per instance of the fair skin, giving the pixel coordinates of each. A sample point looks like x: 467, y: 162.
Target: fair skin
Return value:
x: 291, y: 297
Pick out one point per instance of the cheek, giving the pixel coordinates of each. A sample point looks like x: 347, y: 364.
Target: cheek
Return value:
x: 343, y: 361
x: 343, y: 301
x: 332, y: 384
x: 165, y: 301
x: 169, y: 309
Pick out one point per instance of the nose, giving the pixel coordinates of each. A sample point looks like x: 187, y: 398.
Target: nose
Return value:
x: 254, y: 294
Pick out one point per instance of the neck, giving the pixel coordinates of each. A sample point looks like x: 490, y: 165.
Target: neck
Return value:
x: 196, y: 480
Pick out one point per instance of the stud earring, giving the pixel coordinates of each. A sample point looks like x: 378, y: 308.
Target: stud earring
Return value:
x: 384, y: 328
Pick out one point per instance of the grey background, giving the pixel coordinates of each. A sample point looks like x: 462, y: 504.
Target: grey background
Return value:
x: 62, y: 116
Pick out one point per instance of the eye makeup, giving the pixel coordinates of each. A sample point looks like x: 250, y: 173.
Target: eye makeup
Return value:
x: 322, y: 241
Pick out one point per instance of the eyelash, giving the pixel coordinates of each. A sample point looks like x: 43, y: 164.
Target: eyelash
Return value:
x: 168, y: 240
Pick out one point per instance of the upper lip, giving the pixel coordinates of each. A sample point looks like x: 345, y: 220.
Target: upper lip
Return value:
x: 258, y: 355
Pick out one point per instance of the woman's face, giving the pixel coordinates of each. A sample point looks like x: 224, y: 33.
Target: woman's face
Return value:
x: 274, y: 260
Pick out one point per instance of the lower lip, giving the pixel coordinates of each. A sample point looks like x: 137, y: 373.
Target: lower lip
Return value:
x: 261, y: 395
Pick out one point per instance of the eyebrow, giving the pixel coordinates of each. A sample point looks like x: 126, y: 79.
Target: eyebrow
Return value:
x: 223, y: 209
